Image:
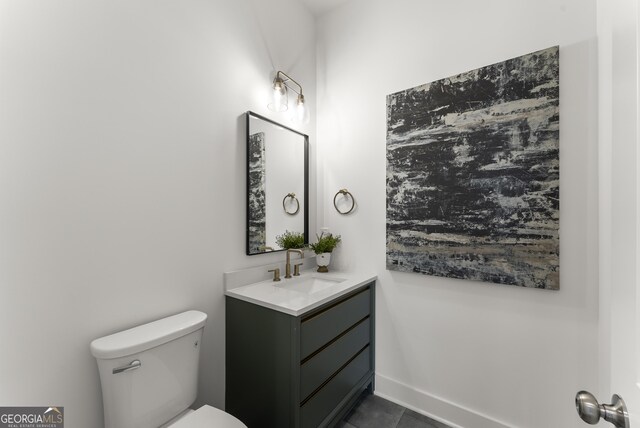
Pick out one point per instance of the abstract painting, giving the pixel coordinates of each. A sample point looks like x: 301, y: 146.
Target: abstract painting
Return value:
x: 257, y: 207
x: 473, y: 174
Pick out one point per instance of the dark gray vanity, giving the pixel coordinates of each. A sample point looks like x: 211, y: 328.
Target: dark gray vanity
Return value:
x: 306, y: 371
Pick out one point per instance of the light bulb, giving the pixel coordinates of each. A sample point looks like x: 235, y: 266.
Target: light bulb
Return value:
x: 301, y: 115
x: 279, y: 98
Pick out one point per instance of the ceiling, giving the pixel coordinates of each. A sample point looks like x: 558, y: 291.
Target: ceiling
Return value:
x: 318, y: 7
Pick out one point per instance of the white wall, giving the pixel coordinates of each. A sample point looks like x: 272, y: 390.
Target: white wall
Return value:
x: 475, y: 354
x: 122, y: 175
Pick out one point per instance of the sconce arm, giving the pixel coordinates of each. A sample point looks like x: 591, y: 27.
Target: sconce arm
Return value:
x: 288, y: 79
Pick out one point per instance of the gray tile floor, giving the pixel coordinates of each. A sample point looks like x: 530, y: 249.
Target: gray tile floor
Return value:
x: 376, y: 412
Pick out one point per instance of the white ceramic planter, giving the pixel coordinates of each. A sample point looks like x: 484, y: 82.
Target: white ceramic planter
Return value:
x: 323, y: 261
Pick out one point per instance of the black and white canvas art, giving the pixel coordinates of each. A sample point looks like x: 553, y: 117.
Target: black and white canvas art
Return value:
x: 473, y: 174
x: 257, y: 205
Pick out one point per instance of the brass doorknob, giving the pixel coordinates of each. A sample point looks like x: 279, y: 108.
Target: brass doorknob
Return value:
x: 591, y: 411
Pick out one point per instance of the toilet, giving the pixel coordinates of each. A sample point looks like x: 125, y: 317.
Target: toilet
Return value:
x: 149, y: 376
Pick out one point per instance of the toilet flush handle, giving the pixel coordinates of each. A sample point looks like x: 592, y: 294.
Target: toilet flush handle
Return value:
x: 135, y: 364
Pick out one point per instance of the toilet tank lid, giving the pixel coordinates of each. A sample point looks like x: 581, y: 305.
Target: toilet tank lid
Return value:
x: 147, y: 336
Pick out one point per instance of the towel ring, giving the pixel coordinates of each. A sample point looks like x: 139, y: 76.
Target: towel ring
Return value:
x: 284, y: 203
x: 346, y: 193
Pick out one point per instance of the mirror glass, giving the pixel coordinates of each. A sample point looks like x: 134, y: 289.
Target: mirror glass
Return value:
x: 277, y: 183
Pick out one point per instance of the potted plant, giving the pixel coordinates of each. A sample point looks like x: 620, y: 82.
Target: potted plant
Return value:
x: 323, y: 248
x: 290, y: 240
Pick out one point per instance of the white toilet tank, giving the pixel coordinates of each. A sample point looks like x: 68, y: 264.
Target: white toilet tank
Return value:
x: 149, y: 373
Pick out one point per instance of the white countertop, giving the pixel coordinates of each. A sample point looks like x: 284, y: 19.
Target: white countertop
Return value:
x: 282, y: 296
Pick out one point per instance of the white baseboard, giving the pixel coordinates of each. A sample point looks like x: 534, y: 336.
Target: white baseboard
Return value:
x: 434, y: 407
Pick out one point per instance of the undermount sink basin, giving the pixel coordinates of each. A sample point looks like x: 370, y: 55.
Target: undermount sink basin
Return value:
x: 309, y: 284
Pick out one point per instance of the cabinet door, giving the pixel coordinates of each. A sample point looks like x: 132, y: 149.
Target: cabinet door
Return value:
x: 321, y: 366
x: 261, y: 365
x: 330, y: 395
x: 324, y: 326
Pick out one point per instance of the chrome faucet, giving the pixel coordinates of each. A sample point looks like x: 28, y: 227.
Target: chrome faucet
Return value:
x: 287, y: 268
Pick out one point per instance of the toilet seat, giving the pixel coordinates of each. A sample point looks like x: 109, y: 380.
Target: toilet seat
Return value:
x: 208, y: 417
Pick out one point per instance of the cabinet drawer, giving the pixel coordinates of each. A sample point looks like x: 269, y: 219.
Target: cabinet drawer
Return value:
x: 320, y: 367
x: 313, y: 412
x: 324, y: 326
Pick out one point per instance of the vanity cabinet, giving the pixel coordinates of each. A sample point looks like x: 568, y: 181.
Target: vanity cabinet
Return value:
x: 299, y: 371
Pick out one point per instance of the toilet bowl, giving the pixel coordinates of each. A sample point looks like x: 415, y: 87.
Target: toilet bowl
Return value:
x: 205, y: 417
x: 149, y: 376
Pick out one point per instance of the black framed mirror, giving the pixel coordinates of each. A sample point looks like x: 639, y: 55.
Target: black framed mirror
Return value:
x: 277, y: 183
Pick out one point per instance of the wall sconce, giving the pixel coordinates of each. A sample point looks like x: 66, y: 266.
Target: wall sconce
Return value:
x: 279, y: 99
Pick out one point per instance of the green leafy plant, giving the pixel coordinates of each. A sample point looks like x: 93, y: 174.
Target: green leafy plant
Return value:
x: 290, y: 240
x: 326, y: 243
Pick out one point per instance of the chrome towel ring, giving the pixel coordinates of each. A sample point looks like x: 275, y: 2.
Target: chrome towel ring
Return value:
x: 293, y: 199
x: 346, y: 194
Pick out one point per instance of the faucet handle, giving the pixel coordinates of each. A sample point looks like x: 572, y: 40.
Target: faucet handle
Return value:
x: 276, y: 274
x: 296, y: 269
